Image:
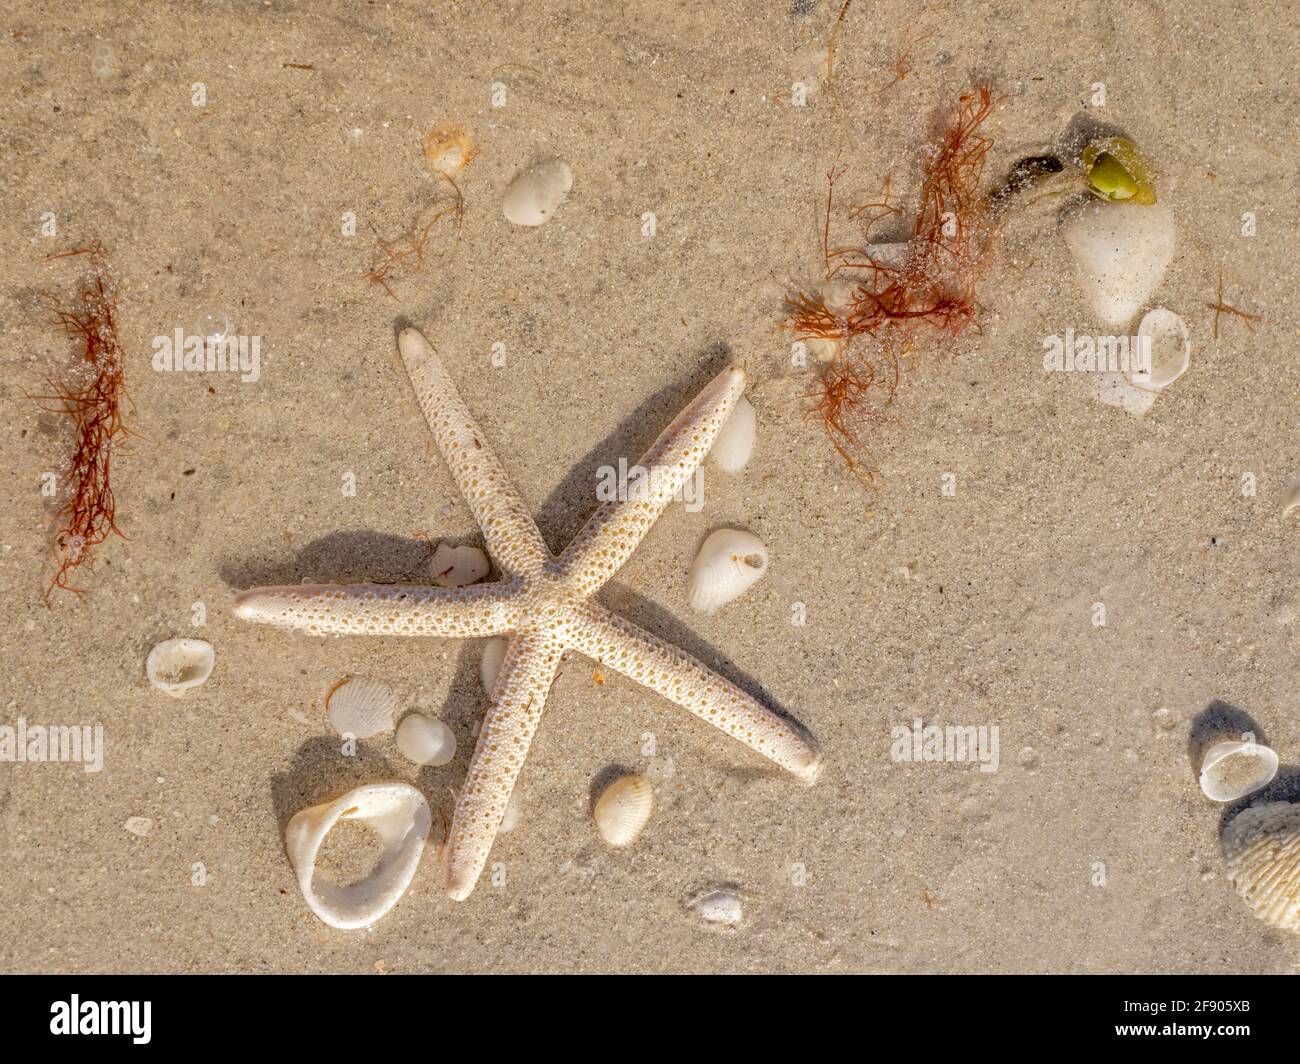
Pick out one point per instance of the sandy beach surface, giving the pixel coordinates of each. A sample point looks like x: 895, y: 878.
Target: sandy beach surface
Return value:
x: 218, y: 151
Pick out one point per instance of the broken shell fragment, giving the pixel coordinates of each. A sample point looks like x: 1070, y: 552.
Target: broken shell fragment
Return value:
x: 1163, y: 334
x: 1236, y: 769
x: 735, y: 441
x: 1262, y: 848
x: 449, y: 148
x: 426, y: 741
x: 398, y: 814
x: 1121, y: 252
x: 458, y: 566
x: 533, y: 196
x: 361, y: 707
x: 729, y: 563
x: 176, y: 665
x: 623, y: 809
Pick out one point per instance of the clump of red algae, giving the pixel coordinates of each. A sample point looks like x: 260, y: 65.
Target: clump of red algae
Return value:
x: 90, y: 394
x: 892, y: 307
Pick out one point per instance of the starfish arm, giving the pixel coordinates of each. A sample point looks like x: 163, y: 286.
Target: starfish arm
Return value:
x: 612, y: 534
x: 625, y: 647
x: 382, y: 609
x: 512, y: 537
x: 525, y: 678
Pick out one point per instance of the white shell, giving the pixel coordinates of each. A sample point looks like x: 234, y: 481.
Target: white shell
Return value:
x: 138, y: 825
x: 720, y: 907
x: 514, y: 813
x: 532, y: 197
x: 1233, y: 770
x: 735, y: 440
x: 1122, y: 251
x: 623, y: 809
x: 729, y: 564
x: 1291, y: 501
x: 1171, y: 350
x: 425, y: 741
x: 458, y: 566
x: 398, y: 814
x: 361, y: 707
x: 1262, y: 848
x: 494, y: 653
x: 176, y: 665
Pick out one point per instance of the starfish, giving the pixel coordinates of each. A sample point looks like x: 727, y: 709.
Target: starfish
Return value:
x: 546, y: 604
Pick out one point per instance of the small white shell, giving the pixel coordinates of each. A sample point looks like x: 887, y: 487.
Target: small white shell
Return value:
x: 138, y: 825
x: 532, y: 197
x: 729, y: 563
x: 1262, y: 848
x: 1171, y: 350
x: 720, y: 907
x: 494, y: 653
x: 1291, y: 501
x: 735, y: 440
x: 1233, y: 770
x: 176, y: 665
x: 458, y: 566
x: 398, y: 814
x: 1122, y: 251
x: 623, y: 809
x: 361, y: 707
x: 514, y: 813
x: 425, y: 741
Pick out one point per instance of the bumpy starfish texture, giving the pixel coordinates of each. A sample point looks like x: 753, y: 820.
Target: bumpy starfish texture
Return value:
x: 545, y: 603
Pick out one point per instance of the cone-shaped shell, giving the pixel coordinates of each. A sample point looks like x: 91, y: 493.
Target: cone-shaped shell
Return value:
x: 1262, y: 848
x: 623, y: 809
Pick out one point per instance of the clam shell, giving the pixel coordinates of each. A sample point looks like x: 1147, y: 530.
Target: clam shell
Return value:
x: 728, y: 564
x: 533, y: 196
x: 623, y: 809
x: 362, y: 707
x: 735, y: 440
x: 398, y: 814
x: 425, y: 741
x: 1121, y: 251
x: 1262, y: 848
x: 1233, y: 770
x: 176, y: 665
x: 494, y: 653
x: 1171, y: 350
x: 720, y: 907
x: 458, y: 566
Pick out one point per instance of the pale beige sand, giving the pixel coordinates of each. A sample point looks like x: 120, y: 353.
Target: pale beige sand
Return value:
x: 1061, y: 502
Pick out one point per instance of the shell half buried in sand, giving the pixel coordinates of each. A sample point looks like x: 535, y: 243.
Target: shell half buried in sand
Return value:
x: 1234, y: 770
x: 729, y: 563
x: 176, y: 665
x: 533, y: 196
x: 1262, y: 848
x: 397, y: 814
x: 735, y: 442
x: 1164, y: 335
x: 623, y: 809
x: 1121, y: 252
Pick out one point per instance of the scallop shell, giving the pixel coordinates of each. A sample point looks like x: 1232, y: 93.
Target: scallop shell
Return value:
x: 1122, y: 251
x: 458, y: 566
x: 1171, y: 350
x: 425, y: 741
x: 494, y: 653
x: 176, y: 665
x: 1262, y: 848
x: 720, y: 907
x: 1233, y: 770
x: 533, y: 196
x: 398, y: 814
x: 361, y: 707
x: 729, y: 563
x: 623, y: 809
x: 449, y: 148
x: 735, y: 440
